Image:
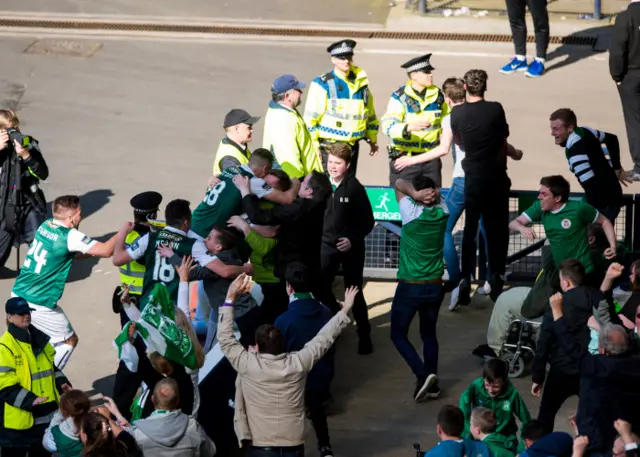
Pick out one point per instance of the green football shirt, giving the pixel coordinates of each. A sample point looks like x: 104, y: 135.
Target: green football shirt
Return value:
x: 566, y: 230
x: 158, y: 268
x: 48, y: 261
x: 224, y: 200
x: 422, y: 241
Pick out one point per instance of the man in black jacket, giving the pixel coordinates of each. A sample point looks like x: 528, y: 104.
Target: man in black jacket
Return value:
x: 301, y: 222
x: 608, y: 382
x: 22, y: 203
x: 347, y: 221
x: 624, y: 66
x: 563, y: 380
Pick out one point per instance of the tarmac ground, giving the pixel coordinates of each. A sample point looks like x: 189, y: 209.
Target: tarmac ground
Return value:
x: 143, y: 111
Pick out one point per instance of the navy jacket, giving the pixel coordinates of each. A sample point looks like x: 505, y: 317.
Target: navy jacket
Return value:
x: 555, y: 444
x: 299, y: 325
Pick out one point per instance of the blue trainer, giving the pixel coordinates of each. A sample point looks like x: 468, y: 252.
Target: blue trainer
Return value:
x: 513, y: 66
x: 536, y: 68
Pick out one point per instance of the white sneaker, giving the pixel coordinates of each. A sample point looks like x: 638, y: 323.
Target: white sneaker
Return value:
x: 485, y: 289
x: 453, y: 304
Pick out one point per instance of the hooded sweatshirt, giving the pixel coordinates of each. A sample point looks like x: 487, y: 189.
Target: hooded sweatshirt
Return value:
x: 62, y: 437
x: 500, y: 445
x: 555, y: 444
x: 299, y: 325
x: 507, y: 405
x: 459, y: 448
x: 172, y: 434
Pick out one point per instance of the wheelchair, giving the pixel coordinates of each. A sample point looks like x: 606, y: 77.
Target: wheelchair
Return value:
x: 519, y: 345
x: 419, y: 452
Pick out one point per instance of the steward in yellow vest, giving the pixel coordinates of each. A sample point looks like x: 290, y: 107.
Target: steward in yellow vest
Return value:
x: 413, y: 121
x: 30, y: 385
x: 285, y: 133
x: 340, y: 107
x: 145, y: 206
x: 233, y: 150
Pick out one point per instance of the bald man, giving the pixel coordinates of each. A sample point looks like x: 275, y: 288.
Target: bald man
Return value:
x: 169, y: 431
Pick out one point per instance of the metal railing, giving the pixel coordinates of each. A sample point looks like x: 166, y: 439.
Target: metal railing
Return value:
x: 524, y: 257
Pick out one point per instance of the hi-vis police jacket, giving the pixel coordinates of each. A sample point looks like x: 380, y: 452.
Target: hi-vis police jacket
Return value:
x: 26, y: 373
x: 288, y: 139
x: 132, y: 273
x: 406, y: 107
x: 340, y: 109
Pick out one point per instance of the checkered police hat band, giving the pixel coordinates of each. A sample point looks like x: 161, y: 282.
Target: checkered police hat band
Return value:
x: 418, y: 66
x: 344, y: 49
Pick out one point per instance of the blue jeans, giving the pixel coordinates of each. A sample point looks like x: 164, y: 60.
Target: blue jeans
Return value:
x: 425, y: 299
x: 455, y: 203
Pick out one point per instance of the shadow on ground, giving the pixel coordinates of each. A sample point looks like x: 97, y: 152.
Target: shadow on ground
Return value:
x: 91, y: 202
x: 568, y: 54
x: 102, y: 386
x: 81, y: 269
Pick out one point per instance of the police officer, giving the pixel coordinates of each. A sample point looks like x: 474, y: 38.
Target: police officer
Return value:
x: 413, y: 121
x: 145, y: 206
x: 233, y: 150
x: 340, y: 106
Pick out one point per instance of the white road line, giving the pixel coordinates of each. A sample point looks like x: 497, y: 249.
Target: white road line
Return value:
x: 436, y: 52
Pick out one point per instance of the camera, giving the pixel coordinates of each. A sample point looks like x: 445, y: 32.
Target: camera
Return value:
x: 15, y: 135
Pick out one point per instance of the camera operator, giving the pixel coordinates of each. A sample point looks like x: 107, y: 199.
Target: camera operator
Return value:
x: 22, y: 203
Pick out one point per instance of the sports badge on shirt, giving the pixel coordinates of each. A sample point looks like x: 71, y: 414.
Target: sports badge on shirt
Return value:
x: 566, y: 224
x: 86, y: 240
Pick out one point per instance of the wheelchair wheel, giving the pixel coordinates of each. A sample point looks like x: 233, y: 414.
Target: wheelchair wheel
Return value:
x: 516, y: 364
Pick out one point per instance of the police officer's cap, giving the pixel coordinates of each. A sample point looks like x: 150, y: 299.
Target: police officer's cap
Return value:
x: 238, y: 116
x: 18, y: 306
x: 146, y: 202
x: 342, y: 49
x: 419, y: 64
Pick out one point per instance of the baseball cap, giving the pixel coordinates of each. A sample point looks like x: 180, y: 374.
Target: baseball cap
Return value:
x: 17, y: 305
x: 285, y: 83
x: 238, y: 116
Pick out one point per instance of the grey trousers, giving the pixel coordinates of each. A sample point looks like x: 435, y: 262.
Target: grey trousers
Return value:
x: 508, y: 307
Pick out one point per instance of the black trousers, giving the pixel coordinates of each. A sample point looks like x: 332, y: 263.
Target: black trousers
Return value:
x: 557, y: 388
x: 352, y: 263
x: 314, y: 400
x: 276, y: 301
x: 355, y: 152
x: 629, y: 91
x: 540, y: 15
x: 489, y: 199
x: 432, y: 169
x: 126, y: 384
x: 32, y: 221
x: 37, y: 450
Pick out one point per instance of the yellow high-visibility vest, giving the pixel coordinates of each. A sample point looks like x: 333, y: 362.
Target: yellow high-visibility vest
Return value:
x: 341, y: 109
x: 19, y: 365
x: 132, y: 274
x: 407, y: 107
x: 228, y: 148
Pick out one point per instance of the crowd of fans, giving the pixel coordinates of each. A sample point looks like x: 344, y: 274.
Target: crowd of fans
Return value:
x: 264, y: 248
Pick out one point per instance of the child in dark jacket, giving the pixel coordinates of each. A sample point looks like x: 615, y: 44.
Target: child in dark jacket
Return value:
x: 299, y: 325
x: 494, y: 391
x: 449, y: 429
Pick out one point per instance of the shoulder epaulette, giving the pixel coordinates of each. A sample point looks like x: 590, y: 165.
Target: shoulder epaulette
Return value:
x: 326, y: 77
x: 399, y: 92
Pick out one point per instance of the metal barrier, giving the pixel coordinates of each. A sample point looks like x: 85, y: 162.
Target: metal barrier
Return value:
x: 524, y: 257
